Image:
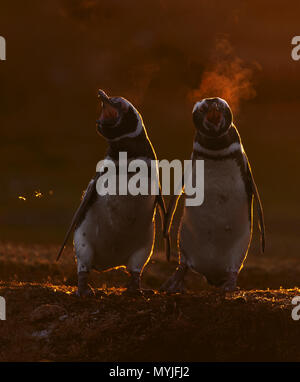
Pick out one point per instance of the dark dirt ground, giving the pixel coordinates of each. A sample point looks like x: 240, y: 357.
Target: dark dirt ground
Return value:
x: 46, y: 322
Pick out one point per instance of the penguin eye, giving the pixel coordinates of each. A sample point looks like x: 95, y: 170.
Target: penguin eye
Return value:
x: 121, y: 104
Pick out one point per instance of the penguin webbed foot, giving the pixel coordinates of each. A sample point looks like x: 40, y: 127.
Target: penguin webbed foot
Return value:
x: 175, y: 284
x: 84, y: 290
x: 138, y: 292
x: 88, y: 292
x: 134, y: 286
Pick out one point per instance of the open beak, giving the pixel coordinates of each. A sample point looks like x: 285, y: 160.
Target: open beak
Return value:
x: 110, y: 113
x: 214, y: 115
x: 104, y: 97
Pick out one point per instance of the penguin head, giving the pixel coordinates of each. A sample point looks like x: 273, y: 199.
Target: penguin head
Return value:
x: 212, y: 116
x: 118, y: 118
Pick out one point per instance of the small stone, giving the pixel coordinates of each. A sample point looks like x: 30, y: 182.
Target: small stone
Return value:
x: 63, y: 317
x: 42, y: 334
x: 47, y: 312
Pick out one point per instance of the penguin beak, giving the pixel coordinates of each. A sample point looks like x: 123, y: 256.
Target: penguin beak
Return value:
x: 214, y: 115
x: 104, y: 97
x: 110, y: 113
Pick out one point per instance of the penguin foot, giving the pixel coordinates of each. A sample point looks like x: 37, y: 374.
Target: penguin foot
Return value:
x: 132, y: 292
x: 147, y: 292
x: 134, y: 285
x: 230, y: 284
x: 138, y: 292
x: 84, y: 290
x: 175, y: 284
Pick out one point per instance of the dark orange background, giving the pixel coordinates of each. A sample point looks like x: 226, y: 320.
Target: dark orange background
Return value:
x: 157, y: 54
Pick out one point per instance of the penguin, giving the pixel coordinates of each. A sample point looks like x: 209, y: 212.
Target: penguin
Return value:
x: 112, y: 231
x: 214, y: 237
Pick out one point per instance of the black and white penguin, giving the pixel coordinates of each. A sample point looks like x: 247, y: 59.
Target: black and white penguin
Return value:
x: 117, y: 230
x: 214, y: 238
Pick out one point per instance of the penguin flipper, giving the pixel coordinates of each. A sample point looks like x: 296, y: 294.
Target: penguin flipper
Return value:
x: 173, y: 206
x: 162, y: 209
x: 170, y: 213
x: 81, y: 210
x: 260, y: 212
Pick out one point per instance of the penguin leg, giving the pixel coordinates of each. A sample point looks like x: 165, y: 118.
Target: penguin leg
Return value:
x: 134, y: 283
x: 84, y: 254
x: 84, y: 289
x: 134, y: 286
x: 230, y: 284
x: 175, y: 284
x: 135, y: 267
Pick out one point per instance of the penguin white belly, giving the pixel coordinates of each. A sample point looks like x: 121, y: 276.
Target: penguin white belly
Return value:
x: 215, y: 236
x: 116, y: 231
